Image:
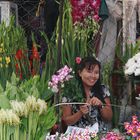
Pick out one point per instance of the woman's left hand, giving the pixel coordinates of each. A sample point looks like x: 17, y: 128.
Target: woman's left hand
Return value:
x: 95, y: 101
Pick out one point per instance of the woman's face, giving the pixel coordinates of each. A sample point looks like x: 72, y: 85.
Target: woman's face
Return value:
x: 90, y: 76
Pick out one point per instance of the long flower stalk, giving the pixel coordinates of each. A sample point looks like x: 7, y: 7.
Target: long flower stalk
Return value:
x: 30, y: 125
x: 1, y: 131
x: 16, y: 134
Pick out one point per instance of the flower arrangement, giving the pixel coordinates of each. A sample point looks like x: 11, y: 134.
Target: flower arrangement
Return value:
x: 59, y: 78
x: 133, y: 128
x: 132, y: 67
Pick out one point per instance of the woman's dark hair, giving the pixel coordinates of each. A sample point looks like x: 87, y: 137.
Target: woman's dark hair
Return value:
x: 89, y: 63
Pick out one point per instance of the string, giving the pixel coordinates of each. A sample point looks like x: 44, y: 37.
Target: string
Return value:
x: 80, y: 103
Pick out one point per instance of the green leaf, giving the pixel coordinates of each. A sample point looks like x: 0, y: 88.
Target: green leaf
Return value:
x: 4, y: 102
x: 1, y: 89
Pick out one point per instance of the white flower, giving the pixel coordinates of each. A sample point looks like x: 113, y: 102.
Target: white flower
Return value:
x: 19, y: 108
x: 130, y: 62
x: 9, y: 117
x: 55, y: 89
x: 137, y: 72
x: 130, y: 70
x: 31, y: 103
x: 42, y: 106
x: 133, y: 65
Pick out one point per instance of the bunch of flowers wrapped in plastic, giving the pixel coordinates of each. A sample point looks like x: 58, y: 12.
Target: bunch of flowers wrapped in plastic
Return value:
x: 74, y: 135
x: 132, y: 67
x: 133, y: 128
x: 59, y: 78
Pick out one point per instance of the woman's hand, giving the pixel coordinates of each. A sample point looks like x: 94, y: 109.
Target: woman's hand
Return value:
x: 84, y: 109
x: 95, y: 101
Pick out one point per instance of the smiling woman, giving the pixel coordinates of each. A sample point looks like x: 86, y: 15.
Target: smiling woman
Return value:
x: 97, y: 109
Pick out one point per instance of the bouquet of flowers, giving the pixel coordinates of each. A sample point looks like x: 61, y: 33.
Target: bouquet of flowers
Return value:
x: 112, y: 135
x: 85, y: 16
x: 133, y: 128
x: 74, y: 135
x: 59, y: 78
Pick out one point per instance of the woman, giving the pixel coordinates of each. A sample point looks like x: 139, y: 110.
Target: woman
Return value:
x: 98, y: 108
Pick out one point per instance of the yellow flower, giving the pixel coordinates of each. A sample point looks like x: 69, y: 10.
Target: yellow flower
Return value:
x: 7, y: 60
x: 0, y: 59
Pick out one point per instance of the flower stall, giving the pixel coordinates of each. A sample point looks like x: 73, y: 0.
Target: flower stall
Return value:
x: 31, y: 91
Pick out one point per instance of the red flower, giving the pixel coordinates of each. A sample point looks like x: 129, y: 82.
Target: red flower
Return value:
x: 35, y: 54
x: 84, y: 9
x: 19, y: 54
x: 33, y: 72
x: 78, y: 60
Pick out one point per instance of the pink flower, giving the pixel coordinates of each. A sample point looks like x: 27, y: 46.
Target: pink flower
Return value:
x: 78, y: 60
x: 133, y: 128
x: 59, y: 78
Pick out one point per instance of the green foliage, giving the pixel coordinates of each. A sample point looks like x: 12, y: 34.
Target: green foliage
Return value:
x: 45, y: 123
x: 12, y: 38
x: 73, y: 90
x: 106, y: 73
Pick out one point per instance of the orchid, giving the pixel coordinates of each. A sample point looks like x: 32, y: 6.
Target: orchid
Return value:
x: 133, y: 128
x: 85, y: 17
x: 85, y: 8
x: 59, y: 78
x: 133, y: 65
x: 113, y: 136
x: 74, y: 135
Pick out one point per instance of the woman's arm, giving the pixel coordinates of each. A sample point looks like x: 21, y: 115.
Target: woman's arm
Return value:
x: 106, y: 110
x: 69, y: 118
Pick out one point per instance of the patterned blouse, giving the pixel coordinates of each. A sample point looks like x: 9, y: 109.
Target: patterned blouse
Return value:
x: 94, y: 114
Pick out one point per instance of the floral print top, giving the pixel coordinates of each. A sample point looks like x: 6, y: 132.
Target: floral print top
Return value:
x: 94, y: 114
